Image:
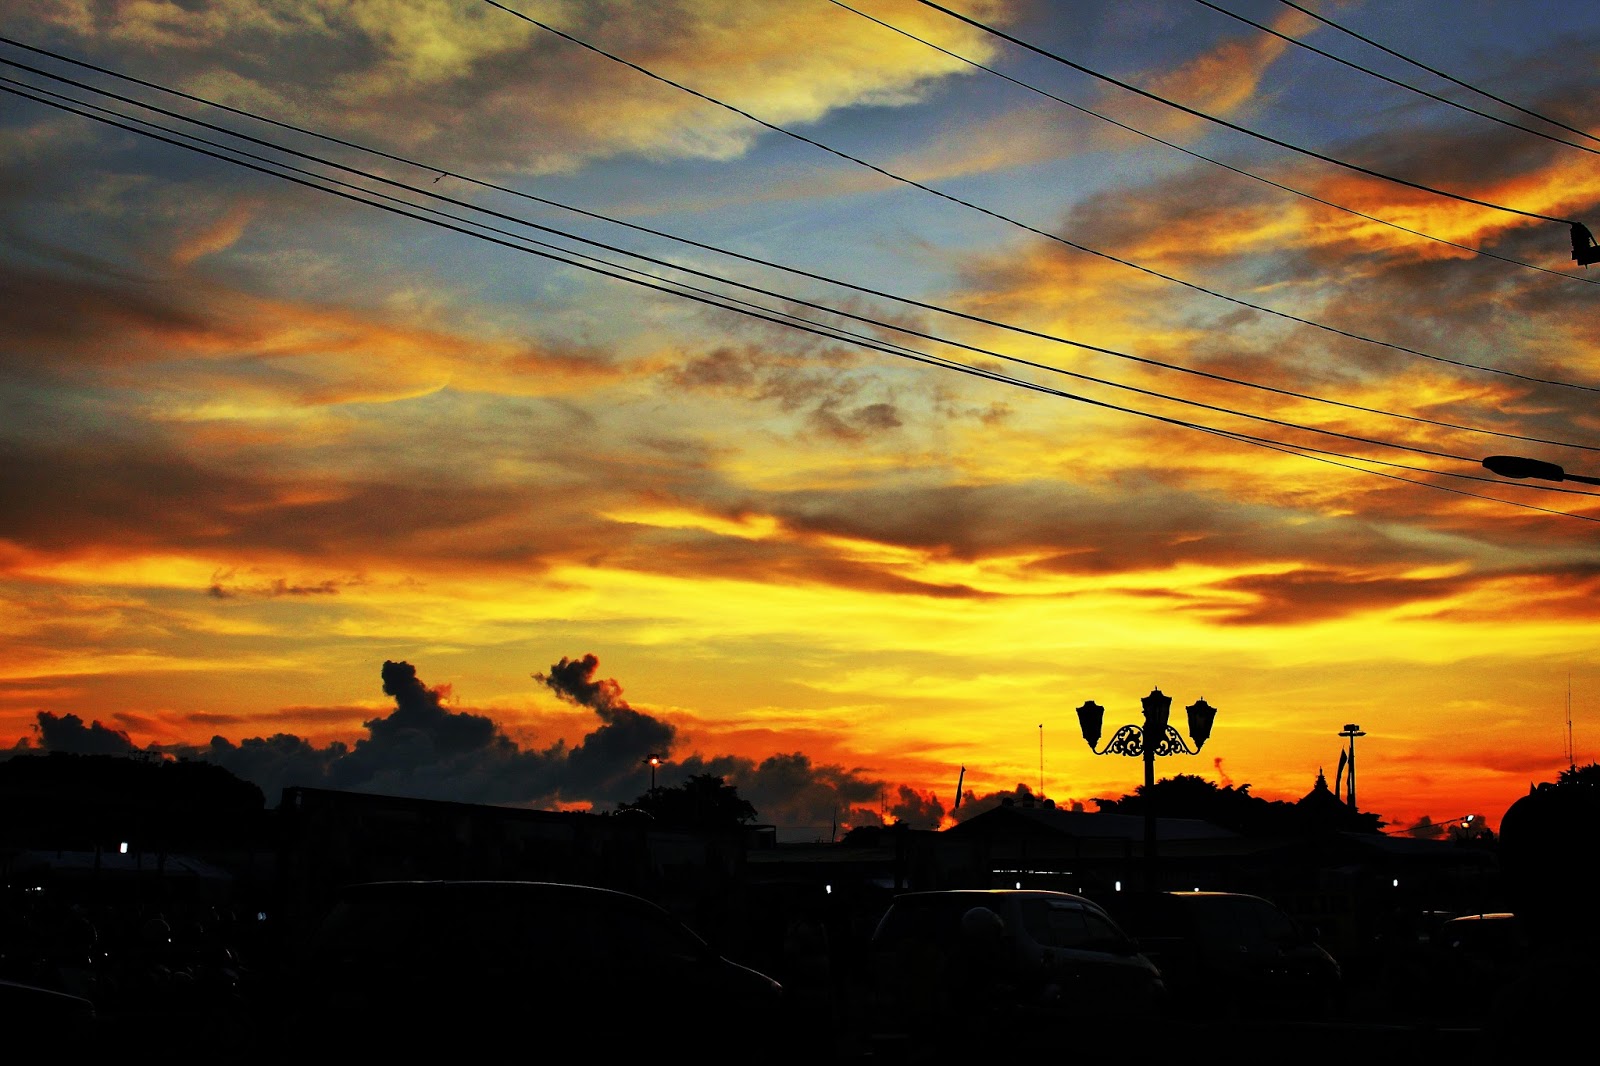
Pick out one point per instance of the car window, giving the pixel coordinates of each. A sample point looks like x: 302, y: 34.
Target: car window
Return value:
x: 1056, y: 925
x: 928, y: 920
x: 635, y: 934
x: 1102, y: 931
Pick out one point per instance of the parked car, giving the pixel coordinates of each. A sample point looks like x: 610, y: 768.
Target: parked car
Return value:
x: 577, y: 972
x: 1232, y: 954
x: 1473, y: 958
x: 56, y: 1019
x: 989, y: 966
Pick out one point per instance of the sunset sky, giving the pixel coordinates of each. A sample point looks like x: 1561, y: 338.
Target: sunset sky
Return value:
x: 1161, y: 353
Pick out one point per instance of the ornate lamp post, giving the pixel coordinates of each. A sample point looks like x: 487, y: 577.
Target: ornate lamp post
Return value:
x: 1155, y: 737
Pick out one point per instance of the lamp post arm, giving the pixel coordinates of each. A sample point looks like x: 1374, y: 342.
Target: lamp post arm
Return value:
x: 1172, y: 744
x: 1127, y: 740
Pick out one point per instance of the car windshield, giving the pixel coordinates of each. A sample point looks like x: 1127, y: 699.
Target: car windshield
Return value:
x: 1061, y: 924
x: 479, y: 927
x: 932, y: 919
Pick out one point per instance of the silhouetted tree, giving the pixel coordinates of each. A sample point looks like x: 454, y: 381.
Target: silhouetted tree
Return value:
x: 1233, y: 807
x: 55, y: 797
x: 1548, y: 854
x: 704, y: 801
x: 1587, y: 776
x: 1191, y: 796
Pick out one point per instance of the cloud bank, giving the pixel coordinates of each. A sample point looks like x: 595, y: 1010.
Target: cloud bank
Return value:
x: 423, y: 749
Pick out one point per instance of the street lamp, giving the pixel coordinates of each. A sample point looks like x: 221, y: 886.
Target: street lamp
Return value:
x: 654, y: 760
x: 1519, y: 467
x: 1155, y: 737
x: 1351, y: 730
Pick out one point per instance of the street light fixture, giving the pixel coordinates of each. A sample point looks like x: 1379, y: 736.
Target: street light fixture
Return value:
x: 1351, y: 731
x: 654, y: 760
x: 1519, y: 467
x: 1155, y: 737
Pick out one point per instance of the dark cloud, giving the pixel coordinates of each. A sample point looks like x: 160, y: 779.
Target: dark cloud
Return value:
x: 919, y: 810
x: 424, y: 749
x: 609, y: 758
x: 854, y: 424
x: 973, y: 804
x: 65, y: 315
x: 68, y: 733
x: 1309, y: 595
x: 574, y: 681
x: 773, y: 561
x: 152, y: 494
x: 223, y: 588
x: 792, y: 792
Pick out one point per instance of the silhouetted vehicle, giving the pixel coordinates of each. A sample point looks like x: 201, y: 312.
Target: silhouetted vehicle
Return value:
x: 1229, y: 954
x: 581, y: 974
x: 56, y: 1019
x: 993, y: 967
x: 1474, y: 957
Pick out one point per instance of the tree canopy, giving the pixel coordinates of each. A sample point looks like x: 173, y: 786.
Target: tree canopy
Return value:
x: 704, y: 801
x: 1233, y: 807
x: 1588, y: 776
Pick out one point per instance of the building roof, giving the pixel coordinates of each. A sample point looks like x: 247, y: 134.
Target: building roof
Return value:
x: 1092, y: 825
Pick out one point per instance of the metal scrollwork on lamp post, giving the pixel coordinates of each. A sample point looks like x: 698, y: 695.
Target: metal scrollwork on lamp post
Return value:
x: 1155, y: 737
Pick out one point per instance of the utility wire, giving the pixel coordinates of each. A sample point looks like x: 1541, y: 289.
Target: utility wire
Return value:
x: 441, y: 172
x: 1005, y: 218
x: 843, y: 334
x: 141, y: 127
x: 1046, y: 53
x: 1209, y: 159
x: 1393, y: 81
x: 1439, y: 73
x: 881, y: 324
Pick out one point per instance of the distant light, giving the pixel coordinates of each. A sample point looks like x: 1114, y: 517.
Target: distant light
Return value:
x: 1397, y: 882
x: 1197, y: 888
x: 1119, y: 886
x: 1019, y: 884
x: 828, y: 889
x: 122, y: 848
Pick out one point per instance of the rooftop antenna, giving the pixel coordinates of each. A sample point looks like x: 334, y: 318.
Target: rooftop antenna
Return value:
x: 959, y: 781
x: 1572, y: 762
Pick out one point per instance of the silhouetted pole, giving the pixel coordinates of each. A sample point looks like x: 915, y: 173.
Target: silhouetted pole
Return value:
x: 1150, y: 807
x: 1352, y: 731
x: 1155, y: 737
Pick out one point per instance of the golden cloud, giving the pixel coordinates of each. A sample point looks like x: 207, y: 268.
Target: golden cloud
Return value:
x: 491, y: 88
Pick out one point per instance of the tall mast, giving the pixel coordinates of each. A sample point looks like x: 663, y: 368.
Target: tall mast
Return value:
x: 1572, y: 762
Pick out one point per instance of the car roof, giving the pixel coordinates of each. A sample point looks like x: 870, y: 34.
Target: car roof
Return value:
x: 419, y: 888
x: 1017, y: 892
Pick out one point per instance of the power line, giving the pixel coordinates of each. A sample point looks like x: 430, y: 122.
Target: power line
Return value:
x: 1439, y: 73
x: 1209, y: 159
x: 1357, y: 168
x: 442, y: 172
x: 1394, y: 81
x: 462, y: 227
x: 882, y: 324
x: 834, y: 331
x: 1349, y: 334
